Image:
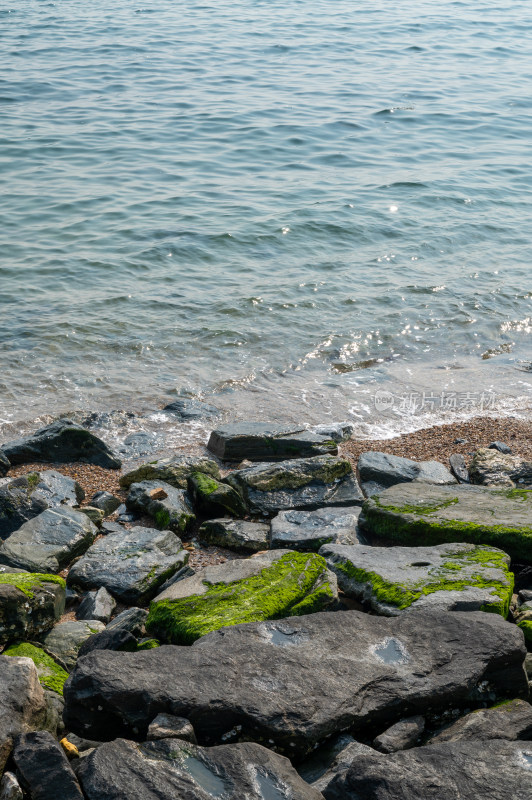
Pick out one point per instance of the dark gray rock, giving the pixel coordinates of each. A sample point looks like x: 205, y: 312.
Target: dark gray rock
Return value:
x: 211, y: 498
x: 166, y: 726
x: 29, y: 604
x: 94, y: 514
x: 22, y: 703
x: 493, y: 468
x: 18, y: 505
x: 81, y: 744
x: 495, y: 769
x: 4, y: 464
x: 378, y: 471
x: 55, y: 705
x: 172, y: 768
x: 97, y: 605
x: 172, y: 512
x: 10, y: 787
x: 501, y: 447
x: 263, y: 441
x: 65, y: 639
x: 49, y: 542
x: 57, y: 489
x: 174, y: 471
x: 44, y: 769
x: 111, y: 527
x: 303, y: 483
x: 105, y: 501
x: 132, y: 620
x: 309, y: 530
x: 335, y: 431
x: 60, y: 442
x: 297, y: 681
x: 459, y: 468
x: 511, y: 721
x: 525, y: 596
x: 235, y: 534
x: 115, y: 639
x: 328, y: 761
x: 401, y: 736
x: 106, y: 419
x: 187, y: 410
x: 132, y: 564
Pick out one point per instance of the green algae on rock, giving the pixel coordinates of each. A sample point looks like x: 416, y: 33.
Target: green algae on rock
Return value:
x: 30, y: 603
x: 270, y: 586
x: 415, y: 514
x: 51, y: 675
x: 447, y: 576
x: 211, y: 497
x: 173, y: 471
x: 172, y: 512
x: 526, y: 627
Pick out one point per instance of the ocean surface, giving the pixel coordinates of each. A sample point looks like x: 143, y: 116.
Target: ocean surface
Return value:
x: 302, y: 210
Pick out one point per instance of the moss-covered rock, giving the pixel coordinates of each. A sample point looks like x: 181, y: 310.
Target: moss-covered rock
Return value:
x: 30, y: 603
x: 526, y: 627
x: 416, y: 514
x: 211, y: 497
x: 51, y: 675
x: 173, y: 471
x: 172, y: 512
x: 270, y: 586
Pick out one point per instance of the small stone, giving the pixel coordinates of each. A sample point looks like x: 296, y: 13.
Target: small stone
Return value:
x: 459, y: 468
x: 106, y: 501
x: 401, y: 736
x: 158, y: 494
x: 70, y: 749
x: 95, y: 515
x: 165, y: 726
x: 460, y: 441
x: 501, y: 447
x: 97, y: 605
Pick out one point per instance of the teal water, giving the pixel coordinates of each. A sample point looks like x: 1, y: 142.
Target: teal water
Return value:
x: 279, y: 206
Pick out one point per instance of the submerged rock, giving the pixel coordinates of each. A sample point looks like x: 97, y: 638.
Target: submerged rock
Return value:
x: 378, y: 471
x: 264, y: 441
x: 303, y: 483
x: 18, y: 503
x: 22, y: 703
x: 235, y: 534
x: 511, y: 720
x: 174, y: 471
x: 294, y: 682
x: 187, y: 410
x: 268, y: 586
x: 415, y: 514
x: 65, y: 639
x: 172, y: 512
x: 60, y: 442
x: 463, y: 577
x: 493, y: 468
x: 211, y: 498
x: 29, y: 604
x: 51, y: 675
x: 309, y: 530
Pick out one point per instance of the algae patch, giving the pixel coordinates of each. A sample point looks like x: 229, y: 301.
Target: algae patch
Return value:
x: 51, y: 675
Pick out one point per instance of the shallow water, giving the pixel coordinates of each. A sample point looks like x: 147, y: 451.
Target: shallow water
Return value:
x: 281, y: 206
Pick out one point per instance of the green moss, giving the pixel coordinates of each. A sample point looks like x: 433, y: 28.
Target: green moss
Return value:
x: 148, y: 644
x: 204, y: 483
x: 33, y: 479
x: 526, y: 627
x: 518, y: 494
x: 29, y: 582
x: 294, y: 584
x: 420, y: 509
x: 162, y: 518
x: 51, y: 675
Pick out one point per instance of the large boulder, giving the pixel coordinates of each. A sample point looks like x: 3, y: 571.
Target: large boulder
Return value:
x: 235, y: 534
x: 511, y: 720
x: 60, y: 442
x: 302, y: 483
x: 172, y: 768
x: 309, y: 530
x: 65, y: 639
x: 4, y: 464
x: 51, y: 674
x: 168, y: 506
x: 493, y: 468
x: 22, y: 703
x: 267, y: 586
x: 29, y: 604
x: 448, y: 576
x: 174, y: 471
x: 378, y: 471
x: 44, y: 769
x: 418, y: 514
x: 18, y: 504
x: 131, y: 564
x: 495, y: 769
x: 49, y: 542
x: 297, y: 681
x: 264, y: 441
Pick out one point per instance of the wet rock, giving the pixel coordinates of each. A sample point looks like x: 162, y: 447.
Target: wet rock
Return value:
x: 335, y: 431
x: 106, y: 501
x: 174, y: 768
x: 22, y: 703
x: 173, y: 513
x: 44, y: 769
x: 114, y: 639
x: 463, y: 577
x: 263, y: 441
x: 297, y: 681
x: 49, y: 542
x: 132, y: 620
x: 166, y: 726
x: 186, y: 410
x: 29, y: 604
x: 140, y: 443
x: 51, y: 675
x: 174, y: 471
x: 57, y: 489
x: 4, y: 464
x: 132, y: 564
x: 211, y: 498
x: 60, y: 442
x: 496, y: 768
x: 378, y: 471
x: 501, y: 447
x: 65, y: 639
x: 18, y: 505
x: 96, y: 605
x: 492, y: 468
x: 304, y: 484
x: 10, y: 787
x: 459, y: 468
x: 415, y: 514
x: 235, y: 534
x: 401, y: 736
x: 267, y: 586
x: 512, y: 720
x: 309, y: 530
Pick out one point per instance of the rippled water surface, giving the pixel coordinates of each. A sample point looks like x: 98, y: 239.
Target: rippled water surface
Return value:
x: 279, y: 206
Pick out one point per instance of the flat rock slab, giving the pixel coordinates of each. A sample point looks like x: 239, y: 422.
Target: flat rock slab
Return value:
x: 496, y: 769
x: 174, y: 471
x: 493, y: 468
x: 296, y: 681
x: 131, y: 564
x: 172, y: 768
x: 65, y: 639
x: 57, y: 489
x: 235, y: 534
x: 418, y: 514
x: 309, y: 530
x: 61, y: 442
x: 301, y: 483
x: 378, y: 471
x: 49, y: 542
x: 463, y: 577
x: 511, y: 721
x: 267, y: 586
x: 29, y: 604
x: 18, y: 504
x: 263, y: 441
x: 22, y: 703
x: 172, y: 512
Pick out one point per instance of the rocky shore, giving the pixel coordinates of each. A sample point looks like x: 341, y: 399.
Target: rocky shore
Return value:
x: 289, y: 614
